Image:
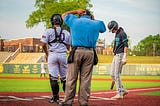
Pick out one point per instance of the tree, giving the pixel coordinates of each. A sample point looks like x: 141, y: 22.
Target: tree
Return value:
x: 149, y: 46
x: 46, y: 8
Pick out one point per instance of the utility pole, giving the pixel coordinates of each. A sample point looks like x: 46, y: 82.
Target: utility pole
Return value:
x: 154, y: 49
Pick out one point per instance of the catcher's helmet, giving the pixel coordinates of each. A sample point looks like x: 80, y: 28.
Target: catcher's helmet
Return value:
x: 112, y: 25
x: 56, y: 19
x: 87, y: 12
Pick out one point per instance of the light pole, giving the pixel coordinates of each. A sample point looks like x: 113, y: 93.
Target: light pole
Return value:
x: 154, y: 49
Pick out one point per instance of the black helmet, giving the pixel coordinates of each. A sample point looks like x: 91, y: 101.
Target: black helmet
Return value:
x: 88, y: 12
x: 112, y: 25
x: 56, y: 19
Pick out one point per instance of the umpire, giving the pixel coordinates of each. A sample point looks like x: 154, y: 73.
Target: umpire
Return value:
x: 85, y: 32
x: 120, y: 50
x: 58, y: 41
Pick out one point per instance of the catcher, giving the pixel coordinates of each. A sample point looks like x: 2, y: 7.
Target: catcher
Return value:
x: 58, y: 41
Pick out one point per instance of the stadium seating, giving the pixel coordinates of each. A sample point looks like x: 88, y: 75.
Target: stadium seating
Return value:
x: 27, y: 58
x: 4, y: 55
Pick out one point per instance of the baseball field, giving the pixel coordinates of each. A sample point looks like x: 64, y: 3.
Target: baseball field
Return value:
x: 31, y: 90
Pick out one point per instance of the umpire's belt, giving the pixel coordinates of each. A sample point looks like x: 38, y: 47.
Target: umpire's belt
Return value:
x: 88, y: 48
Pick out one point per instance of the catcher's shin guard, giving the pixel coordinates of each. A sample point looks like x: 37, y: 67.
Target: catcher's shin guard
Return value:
x: 55, y: 87
x: 64, y: 84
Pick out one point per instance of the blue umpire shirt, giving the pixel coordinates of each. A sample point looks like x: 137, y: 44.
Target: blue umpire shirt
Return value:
x: 84, y: 31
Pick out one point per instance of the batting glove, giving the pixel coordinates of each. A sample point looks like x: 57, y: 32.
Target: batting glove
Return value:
x: 124, y: 59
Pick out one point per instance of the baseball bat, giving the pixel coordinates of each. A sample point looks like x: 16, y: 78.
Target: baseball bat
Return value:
x: 112, y: 85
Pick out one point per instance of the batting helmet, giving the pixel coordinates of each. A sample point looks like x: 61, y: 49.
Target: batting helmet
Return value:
x: 112, y: 25
x: 56, y: 19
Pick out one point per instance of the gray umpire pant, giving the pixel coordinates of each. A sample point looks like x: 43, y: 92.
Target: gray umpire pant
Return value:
x: 82, y: 65
x: 116, y: 69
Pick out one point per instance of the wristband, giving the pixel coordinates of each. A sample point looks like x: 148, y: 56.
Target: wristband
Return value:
x: 124, y: 57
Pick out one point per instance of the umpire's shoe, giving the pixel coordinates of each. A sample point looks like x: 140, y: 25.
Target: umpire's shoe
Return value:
x: 54, y: 99
x: 63, y: 104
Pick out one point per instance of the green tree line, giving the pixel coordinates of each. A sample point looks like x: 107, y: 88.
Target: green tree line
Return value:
x: 46, y: 8
x: 149, y: 46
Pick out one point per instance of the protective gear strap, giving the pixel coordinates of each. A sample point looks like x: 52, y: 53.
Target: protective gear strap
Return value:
x: 58, y: 38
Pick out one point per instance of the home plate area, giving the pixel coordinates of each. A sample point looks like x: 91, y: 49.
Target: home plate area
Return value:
x: 98, y: 98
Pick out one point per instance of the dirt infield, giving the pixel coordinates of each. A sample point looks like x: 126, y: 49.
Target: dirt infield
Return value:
x: 100, y: 98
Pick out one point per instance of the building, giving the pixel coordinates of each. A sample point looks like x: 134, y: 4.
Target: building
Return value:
x: 1, y: 44
x: 100, y: 46
x: 25, y: 45
x: 33, y: 45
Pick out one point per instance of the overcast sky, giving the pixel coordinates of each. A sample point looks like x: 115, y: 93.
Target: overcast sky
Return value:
x: 139, y: 18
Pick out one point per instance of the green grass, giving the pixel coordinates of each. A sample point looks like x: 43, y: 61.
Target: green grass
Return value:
x: 94, y: 76
x: 44, y: 86
x: 132, y: 59
x: 129, y: 77
x: 24, y: 85
x: 19, y: 85
x: 155, y: 93
x: 105, y: 85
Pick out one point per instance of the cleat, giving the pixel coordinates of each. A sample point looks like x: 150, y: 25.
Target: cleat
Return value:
x: 118, y: 96
x: 54, y: 99
x: 124, y: 93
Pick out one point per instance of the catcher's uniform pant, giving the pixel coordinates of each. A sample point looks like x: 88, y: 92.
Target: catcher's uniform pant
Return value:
x: 57, y: 64
x: 82, y: 64
x: 116, y: 69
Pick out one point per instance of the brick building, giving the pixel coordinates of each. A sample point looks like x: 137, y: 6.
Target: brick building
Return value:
x: 25, y: 45
x: 1, y: 44
x: 33, y: 45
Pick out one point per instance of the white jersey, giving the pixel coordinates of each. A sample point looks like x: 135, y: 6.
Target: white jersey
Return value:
x: 49, y: 35
x: 43, y: 68
x: 57, y: 59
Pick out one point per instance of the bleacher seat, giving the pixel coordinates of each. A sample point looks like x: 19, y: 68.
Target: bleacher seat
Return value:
x: 27, y: 58
x: 4, y: 55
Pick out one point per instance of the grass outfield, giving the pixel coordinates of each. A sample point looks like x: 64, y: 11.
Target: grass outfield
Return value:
x: 36, y: 85
x: 132, y: 59
x: 93, y: 76
x: 155, y: 93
